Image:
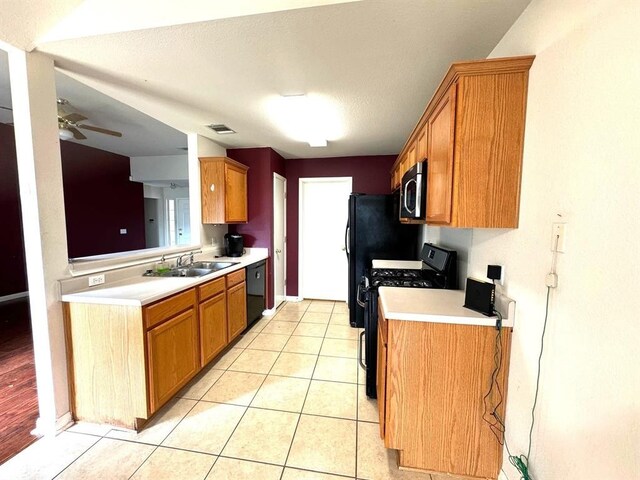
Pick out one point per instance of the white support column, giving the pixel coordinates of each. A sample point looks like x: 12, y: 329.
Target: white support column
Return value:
x: 33, y: 95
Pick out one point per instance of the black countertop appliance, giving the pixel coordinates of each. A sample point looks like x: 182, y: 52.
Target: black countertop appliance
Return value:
x: 374, y: 232
x: 233, y: 245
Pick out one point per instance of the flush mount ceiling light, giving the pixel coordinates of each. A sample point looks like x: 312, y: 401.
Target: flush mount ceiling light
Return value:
x: 306, y: 118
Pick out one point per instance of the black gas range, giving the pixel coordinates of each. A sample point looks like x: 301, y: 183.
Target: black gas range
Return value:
x: 440, y: 270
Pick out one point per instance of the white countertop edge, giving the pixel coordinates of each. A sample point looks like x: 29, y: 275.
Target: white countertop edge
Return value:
x: 152, y: 289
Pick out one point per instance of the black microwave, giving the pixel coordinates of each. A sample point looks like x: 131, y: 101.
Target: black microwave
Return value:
x: 413, y: 192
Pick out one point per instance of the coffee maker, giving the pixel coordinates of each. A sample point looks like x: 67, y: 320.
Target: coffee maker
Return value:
x: 233, y: 245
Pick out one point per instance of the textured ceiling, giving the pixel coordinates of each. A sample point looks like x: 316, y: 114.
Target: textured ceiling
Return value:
x: 376, y: 62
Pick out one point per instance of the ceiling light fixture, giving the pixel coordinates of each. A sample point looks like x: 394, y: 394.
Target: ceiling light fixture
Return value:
x: 65, y: 134
x: 306, y: 118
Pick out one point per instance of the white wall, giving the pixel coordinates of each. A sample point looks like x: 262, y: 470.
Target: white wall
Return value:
x: 581, y: 166
x: 156, y: 168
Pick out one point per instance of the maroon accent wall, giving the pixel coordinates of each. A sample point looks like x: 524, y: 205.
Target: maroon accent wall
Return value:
x: 13, y: 278
x: 99, y: 200
x: 370, y: 175
x: 258, y: 232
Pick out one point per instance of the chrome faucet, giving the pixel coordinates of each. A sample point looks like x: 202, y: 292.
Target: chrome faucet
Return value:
x: 179, y: 260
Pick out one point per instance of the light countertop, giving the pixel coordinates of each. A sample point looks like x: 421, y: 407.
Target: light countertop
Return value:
x: 439, y: 306
x: 138, y: 290
x: 412, y: 264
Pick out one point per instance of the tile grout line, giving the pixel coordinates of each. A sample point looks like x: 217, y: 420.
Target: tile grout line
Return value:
x: 295, y: 430
x: 244, y: 413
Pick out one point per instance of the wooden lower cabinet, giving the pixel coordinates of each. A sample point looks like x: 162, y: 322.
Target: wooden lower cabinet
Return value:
x: 173, y: 356
x: 237, y: 309
x: 213, y: 327
x: 125, y: 362
x: 434, y: 377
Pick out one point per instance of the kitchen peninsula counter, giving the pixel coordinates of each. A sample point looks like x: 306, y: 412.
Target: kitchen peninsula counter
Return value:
x: 139, y: 290
x: 437, y: 306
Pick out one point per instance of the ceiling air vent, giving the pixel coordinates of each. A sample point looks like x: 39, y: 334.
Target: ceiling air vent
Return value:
x: 220, y: 128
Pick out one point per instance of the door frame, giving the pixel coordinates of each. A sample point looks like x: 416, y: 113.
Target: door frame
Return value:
x: 301, y: 183
x: 277, y: 177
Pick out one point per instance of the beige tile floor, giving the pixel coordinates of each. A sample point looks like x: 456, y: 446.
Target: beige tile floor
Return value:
x: 285, y: 402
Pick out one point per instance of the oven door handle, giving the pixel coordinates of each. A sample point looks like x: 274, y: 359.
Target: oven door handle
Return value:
x: 360, y: 361
x: 358, y: 294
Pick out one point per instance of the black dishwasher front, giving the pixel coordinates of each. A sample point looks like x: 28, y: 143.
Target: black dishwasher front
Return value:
x: 256, y: 291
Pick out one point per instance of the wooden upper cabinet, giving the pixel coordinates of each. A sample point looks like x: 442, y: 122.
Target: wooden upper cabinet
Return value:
x: 441, y: 128
x: 472, y: 132
x: 223, y: 185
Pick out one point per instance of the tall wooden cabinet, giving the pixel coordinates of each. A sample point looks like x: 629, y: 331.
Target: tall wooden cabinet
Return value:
x: 472, y: 135
x: 223, y: 183
x: 431, y: 382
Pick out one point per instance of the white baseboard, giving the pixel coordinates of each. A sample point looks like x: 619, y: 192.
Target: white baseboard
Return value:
x: 269, y: 312
x: 45, y: 428
x: 13, y: 296
x: 293, y: 299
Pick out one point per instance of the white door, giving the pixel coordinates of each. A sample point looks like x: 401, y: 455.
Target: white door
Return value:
x: 323, y: 213
x: 279, y: 238
x: 183, y: 225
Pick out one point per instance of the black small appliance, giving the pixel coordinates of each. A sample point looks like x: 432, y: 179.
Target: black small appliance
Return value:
x: 439, y: 270
x: 233, y: 245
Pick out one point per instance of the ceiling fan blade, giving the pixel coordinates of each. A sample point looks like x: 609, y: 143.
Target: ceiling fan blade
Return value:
x: 74, y: 117
x: 77, y: 134
x: 99, y: 130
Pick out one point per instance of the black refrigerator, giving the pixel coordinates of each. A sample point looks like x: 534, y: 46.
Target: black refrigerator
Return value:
x: 374, y: 232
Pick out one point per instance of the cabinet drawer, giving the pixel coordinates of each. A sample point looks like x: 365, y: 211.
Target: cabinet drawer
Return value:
x: 211, y: 289
x: 383, y: 325
x: 235, y: 278
x: 165, y: 309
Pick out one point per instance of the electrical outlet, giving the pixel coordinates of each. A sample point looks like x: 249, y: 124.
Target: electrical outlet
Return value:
x: 496, y: 272
x: 557, y: 237
x: 96, y: 280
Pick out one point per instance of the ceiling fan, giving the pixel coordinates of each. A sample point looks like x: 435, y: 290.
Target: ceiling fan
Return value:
x: 69, y: 123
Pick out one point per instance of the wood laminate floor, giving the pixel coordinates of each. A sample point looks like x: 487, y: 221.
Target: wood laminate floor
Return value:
x: 18, y: 398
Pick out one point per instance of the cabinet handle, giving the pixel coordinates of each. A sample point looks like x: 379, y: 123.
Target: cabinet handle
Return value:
x: 212, y: 187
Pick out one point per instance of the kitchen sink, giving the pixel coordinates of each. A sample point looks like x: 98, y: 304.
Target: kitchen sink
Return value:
x: 197, y: 269
x: 214, y: 266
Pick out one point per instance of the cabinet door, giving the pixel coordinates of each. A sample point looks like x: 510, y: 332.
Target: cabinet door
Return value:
x: 381, y: 379
x: 236, y: 193
x: 237, y: 309
x: 212, y: 190
x: 421, y: 147
x: 441, y: 128
x: 172, y: 355
x: 411, y: 156
x: 213, y: 327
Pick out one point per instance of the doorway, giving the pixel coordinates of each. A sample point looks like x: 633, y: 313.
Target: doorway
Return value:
x: 323, y: 214
x: 279, y: 238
